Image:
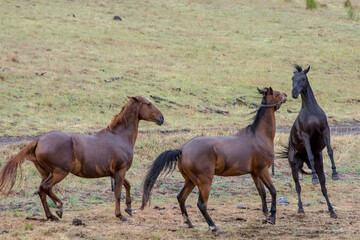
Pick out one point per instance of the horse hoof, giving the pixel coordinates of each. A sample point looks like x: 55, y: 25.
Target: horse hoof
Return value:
x: 59, y: 213
x: 128, y: 211
x: 218, y: 232
x: 315, y: 181
x: 53, y: 218
x: 335, y: 177
x: 123, y: 219
x: 190, y: 225
x: 333, y: 215
x: 272, y: 220
x: 301, y: 211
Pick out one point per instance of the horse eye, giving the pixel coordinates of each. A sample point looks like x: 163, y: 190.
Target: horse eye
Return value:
x: 149, y: 105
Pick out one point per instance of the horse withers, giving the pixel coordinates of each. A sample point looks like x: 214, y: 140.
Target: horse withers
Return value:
x: 249, y: 151
x: 308, y: 137
x: 106, y: 153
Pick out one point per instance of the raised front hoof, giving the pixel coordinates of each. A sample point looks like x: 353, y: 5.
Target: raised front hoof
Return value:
x: 59, y: 213
x: 53, y: 218
x: 335, y: 176
x: 301, y: 211
x: 333, y: 215
x: 315, y: 181
x: 218, y: 232
x: 128, y: 211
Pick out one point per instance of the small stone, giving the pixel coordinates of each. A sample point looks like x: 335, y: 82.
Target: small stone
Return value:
x: 117, y: 18
x: 321, y: 201
x: 268, y: 200
x: 221, y: 203
x: 159, y: 208
x: 306, y: 204
x: 282, y: 200
x: 288, y: 184
x: 77, y: 222
x: 240, y: 207
x: 188, y: 206
x: 35, y: 209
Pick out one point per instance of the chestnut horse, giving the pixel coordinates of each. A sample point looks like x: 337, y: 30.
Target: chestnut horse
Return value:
x: 106, y: 153
x: 249, y: 151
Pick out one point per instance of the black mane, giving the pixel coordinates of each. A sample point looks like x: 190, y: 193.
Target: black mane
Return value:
x: 258, y: 114
x: 298, y: 68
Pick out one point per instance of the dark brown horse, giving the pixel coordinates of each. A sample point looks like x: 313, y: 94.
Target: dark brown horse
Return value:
x: 106, y: 153
x: 250, y: 151
x: 308, y: 137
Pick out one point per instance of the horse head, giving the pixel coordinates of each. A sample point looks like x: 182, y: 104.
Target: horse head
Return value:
x: 300, y: 81
x: 147, y: 111
x: 272, y: 98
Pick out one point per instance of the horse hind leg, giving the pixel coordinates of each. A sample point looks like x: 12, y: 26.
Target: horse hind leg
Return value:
x: 320, y: 171
x: 183, y: 194
x: 46, y: 189
x: 204, y: 192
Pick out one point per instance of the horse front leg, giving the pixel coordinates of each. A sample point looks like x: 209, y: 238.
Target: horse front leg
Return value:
x: 315, y: 179
x: 119, y: 180
x: 261, y: 189
x: 335, y: 175
x: 127, y: 186
x: 265, y: 178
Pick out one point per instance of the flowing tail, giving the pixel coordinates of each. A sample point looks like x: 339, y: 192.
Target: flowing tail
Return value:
x: 165, y: 161
x: 9, y: 172
x: 284, y: 153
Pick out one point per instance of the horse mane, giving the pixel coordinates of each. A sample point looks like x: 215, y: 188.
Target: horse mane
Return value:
x: 121, y: 116
x: 298, y: 68
x: 258, y: 115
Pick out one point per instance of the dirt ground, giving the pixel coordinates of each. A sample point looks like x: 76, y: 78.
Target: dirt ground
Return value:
x: 162, y: 220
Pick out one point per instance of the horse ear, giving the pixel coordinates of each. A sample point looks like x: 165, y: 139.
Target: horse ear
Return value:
x: 270, y: 91
x: 134, y: 98
x: 307, y: 70
x: 260, y: 91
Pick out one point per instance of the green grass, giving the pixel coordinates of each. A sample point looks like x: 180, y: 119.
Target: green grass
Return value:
x: 214, y: 50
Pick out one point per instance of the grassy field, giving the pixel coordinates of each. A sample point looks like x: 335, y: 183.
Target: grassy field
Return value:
x: 55, y: 58
x: 213, y: 51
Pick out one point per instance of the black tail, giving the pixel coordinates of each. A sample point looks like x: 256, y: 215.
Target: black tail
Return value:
x: 165, y: 161
x: 284, y: 153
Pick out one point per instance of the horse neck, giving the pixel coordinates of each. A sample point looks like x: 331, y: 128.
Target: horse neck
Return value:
x: 308, y: 99
x: 128, y: 128
x: 267, y: 123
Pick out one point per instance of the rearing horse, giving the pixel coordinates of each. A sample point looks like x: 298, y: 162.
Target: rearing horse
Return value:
x: 249, y: 151
x: 308, y: 137
x: 106, y: 153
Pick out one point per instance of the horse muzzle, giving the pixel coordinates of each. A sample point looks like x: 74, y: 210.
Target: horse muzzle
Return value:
x: 160, y: 120
x: 295, y: 94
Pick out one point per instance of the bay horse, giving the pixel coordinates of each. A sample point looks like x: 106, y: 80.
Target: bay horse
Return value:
x: 109, y: 152
x: 308, y: 137
x: 249, y: 151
